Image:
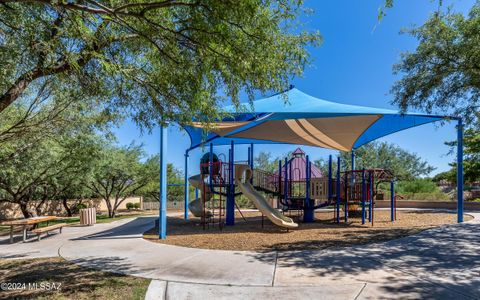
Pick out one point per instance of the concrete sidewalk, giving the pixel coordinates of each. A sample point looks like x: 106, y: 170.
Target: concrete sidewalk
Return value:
x: 441, y: 263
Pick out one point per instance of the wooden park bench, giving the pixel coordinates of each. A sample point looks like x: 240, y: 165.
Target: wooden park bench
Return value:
x: 47, y: 229
x: 26, y: 224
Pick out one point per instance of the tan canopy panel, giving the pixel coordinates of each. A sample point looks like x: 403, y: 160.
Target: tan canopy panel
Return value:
x: 293, y: 117
x: 334, y: 133
x: 221, y: 128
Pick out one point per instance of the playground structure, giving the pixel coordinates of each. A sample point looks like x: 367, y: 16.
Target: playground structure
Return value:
x: 302, y: 120
x: 304, y: 192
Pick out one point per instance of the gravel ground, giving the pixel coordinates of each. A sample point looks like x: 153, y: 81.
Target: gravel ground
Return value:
x: 323, y: 233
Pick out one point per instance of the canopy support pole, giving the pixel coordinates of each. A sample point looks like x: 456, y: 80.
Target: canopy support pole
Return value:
x: 338, y: 190
x: 308, y: 211
x: 353, y: 159
x: 364, y: 196
x: 370, y: 200
x: 210, y: 168
x: 460, y: 171
x: 286, y: 181
x: 392, y: 201
x: 162, y: 222
x: 330, y: 178
x: 187, y: 188
x: 230, y: 214
x: 279, y: 197
x: 250, y: 160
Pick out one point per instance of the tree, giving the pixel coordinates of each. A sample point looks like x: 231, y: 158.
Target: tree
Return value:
x: 471, y: 144
x: 69, y: 187
x: 418, y: 185
x: 165, y: 60
x: 174, y: 176
x: 119, y: 174
x: 265, y: 162
x: 471, y: 158
x: 404, y: 165
x: 33, y: 173
x: 443, y: 73
x: 450, y: 176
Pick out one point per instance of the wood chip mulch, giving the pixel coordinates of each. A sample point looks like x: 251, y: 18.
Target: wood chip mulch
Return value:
x: 323, y: 233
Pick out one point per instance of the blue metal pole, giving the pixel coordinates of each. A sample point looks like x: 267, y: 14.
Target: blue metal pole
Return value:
x: 370, y: 202
x: 210, y: 167
x: 230, y: 217
x: 338, y: 190
x: 392, y: 201
x: 346, y: 198
x: 353, y: 160
x: 364, y: 195
x: 279, y: 183
x: 308, y: 213
x: 460, y: 171
x: 162, y: 223
x: 187, y: 190
x: 286, y: 180
x: 279, y: 177
x: 330, y: 178
x: 353, y: 173
x: 251, y: 156
x: 251, y: 161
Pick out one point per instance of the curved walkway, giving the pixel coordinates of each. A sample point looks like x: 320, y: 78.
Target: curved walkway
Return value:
x: 441, y: 263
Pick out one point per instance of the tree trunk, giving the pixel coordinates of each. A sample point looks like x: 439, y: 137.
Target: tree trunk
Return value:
x: 67, y: 208
x: 38, y: 208
x: 26, y: 210
x: 111, y: 210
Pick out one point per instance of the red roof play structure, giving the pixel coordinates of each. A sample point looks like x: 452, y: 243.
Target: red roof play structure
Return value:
x: 297, y: 167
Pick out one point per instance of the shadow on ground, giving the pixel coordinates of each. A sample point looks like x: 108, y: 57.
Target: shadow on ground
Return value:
x: 433, y: 263
x: 133, y: 229
x: 66, y: 281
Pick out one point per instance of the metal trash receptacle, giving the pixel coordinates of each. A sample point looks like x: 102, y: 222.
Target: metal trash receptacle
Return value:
x: 88, y: 216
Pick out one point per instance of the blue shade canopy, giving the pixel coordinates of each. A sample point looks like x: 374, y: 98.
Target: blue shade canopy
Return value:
x: 293, y: 117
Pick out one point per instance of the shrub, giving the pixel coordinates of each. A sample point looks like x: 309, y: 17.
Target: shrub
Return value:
x: 136, y: 205
x: 244, y: 202
x: 419, y: 185
x: 81, y: 206
x: 129, y: 205
x: 436, y: 196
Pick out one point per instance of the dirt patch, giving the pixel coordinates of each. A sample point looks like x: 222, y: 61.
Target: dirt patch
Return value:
x: 56, y: 278
x: 323, y: 233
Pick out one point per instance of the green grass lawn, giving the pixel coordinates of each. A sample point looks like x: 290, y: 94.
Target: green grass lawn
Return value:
x: 70, y: 281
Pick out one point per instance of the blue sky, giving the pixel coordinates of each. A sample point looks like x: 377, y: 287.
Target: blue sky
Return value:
x: 352, y: 66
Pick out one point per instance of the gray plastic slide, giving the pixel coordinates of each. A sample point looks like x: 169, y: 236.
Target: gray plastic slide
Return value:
x: 196, y: 206
x: 258, y: 200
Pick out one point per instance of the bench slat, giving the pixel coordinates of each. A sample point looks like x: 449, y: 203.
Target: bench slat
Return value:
x: 49, y: 228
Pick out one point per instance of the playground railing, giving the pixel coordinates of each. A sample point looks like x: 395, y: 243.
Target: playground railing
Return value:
x: 265, y: 180
x: 319, y: 188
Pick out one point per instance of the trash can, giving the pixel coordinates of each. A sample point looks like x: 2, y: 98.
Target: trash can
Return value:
x: 88, y: 216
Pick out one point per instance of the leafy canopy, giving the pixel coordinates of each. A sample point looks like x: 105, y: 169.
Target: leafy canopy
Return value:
x: 119, y: 173
x: 50, y: 165
x: 160, y: 60
x: 404, y: 164
x: 471, y: 158
x: 443, y: 73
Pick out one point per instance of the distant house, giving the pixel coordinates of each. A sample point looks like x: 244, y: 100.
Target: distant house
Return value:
x: 296, y: 167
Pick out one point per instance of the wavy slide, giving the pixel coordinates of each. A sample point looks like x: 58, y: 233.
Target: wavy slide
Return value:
x: 258, y: 200
x: 196, y: 206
